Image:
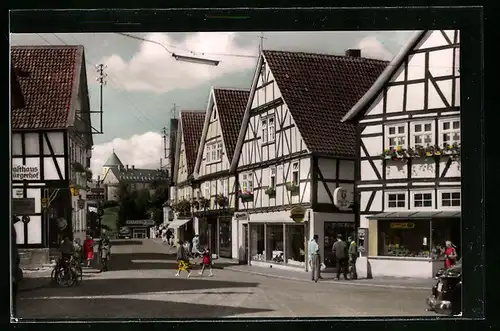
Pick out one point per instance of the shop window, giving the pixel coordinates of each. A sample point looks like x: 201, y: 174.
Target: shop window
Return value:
x: 444, y: 229
x: 295, y: 250
x: 274, y: 244
x: 257, y: 252
x: 331, y: 230
x: 422, y: 134
x: 422, y: 199
x: 404, y: 238
x: 225, y: 247
x: 396, y: 200
x: 396, y: 136
x: 450, y: 199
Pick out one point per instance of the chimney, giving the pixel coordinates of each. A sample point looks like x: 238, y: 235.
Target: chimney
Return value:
x: 126, y: 166
x: 133, y: 167
x: 353, y: 52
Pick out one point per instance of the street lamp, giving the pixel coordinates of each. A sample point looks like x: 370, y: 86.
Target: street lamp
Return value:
x: 196, y: 60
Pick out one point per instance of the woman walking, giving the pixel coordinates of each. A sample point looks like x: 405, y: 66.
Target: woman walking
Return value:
x: 88, y: 250
x: 450, y: 255
x: 206, y: 262
x: 182, y: 260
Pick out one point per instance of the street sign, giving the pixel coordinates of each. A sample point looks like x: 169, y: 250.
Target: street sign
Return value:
x: 24, y: 206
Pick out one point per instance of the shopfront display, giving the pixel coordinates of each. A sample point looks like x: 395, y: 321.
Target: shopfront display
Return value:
x: 257, y: 251
x: 225, y: 235
x: 294, y: 242
x: 274, y: 243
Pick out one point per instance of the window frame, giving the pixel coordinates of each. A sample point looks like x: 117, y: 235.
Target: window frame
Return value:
x: 272, y: 177
x: 413, y: 199
x: 268, y: 129
x: 388, y: 193
x: 207, y: 153
x: 450, y: 191
x: 264, y: 130
x: 206, y: 190
x: 423, y: 133
x: 246, y: 179
x: 295, y: 171
x: 451, y: 131
x: 404, y: 135
x: 218, y: 145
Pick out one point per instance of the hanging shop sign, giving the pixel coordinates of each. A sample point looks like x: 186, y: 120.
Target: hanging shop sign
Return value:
x: 402, y: 225
x: 298, y: 213
x: 23, y: 172
x: 341, y: 198
x: 241, y: 216
x: 26, y: 219
x: 18, y: 193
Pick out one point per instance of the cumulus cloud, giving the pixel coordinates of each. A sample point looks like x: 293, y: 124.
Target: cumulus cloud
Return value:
x: 143, y: 151
x: 154, y: 69
x: 371, y: 47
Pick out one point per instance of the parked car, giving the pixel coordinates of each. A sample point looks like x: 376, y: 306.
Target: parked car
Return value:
x: 446, y: 297
x: 124, y: 233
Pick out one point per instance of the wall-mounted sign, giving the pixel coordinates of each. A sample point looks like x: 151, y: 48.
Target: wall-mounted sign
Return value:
x: 298, y: 213
x: 402, y: 225
x: 25, y: 206
x: 26, y: 219
x: 22, y: 172
x: 18, y: 193
x: 241, y: 216
x: 341, y: 198
x: 361, y: 233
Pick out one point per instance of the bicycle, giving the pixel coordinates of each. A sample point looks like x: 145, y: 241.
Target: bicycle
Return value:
x: 65, y: 274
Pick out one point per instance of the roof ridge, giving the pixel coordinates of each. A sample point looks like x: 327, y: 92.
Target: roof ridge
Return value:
x: 47, y: 46
x: 324, y: 54
x: 242, y: 89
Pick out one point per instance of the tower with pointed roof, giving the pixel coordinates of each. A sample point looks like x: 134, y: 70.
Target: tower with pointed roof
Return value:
x: 112, y: 162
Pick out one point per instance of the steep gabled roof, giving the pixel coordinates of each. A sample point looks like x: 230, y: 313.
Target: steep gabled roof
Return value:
x: 113, y: 161
x: 231, y: 105
x: 192, y: 124
x: 50, y: 89
x: 384, y: 77
x: 318, y: 90
x: 16, y: 95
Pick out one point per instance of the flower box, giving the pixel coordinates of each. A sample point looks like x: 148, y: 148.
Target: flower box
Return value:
x: 270, y: 191
x: 246, y: 196
x: 292, y: 187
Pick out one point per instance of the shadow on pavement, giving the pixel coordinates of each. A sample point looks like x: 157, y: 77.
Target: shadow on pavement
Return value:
x: 126, y: 242
x: 124, y: 308
x: 124, y: 286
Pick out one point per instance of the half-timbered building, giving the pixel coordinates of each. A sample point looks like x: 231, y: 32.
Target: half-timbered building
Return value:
x: 51, y: 145
x: 215, y: 193
x: 408, y: 142
x: 294, y: 157
x: 190, y: 126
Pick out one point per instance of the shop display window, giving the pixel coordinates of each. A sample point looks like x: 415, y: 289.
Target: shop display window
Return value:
x: 274, y: 244
x: 332, y: 229
x: 257, y: 250
x: 404, y: 238
x: 295, y: 250
x: 225, y: 247
x: 443, y: 230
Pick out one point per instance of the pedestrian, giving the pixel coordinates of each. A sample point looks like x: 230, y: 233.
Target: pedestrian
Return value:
x: 88, y: 249
x: 67, y: 251
x: 15, y: 269
x: 105, y: 250
x: 353, y: 256
x: 450, y: 254
x: 164, y: 235
x: 182, y: 260
x: 340, y: 251
x: 314, y: 258
x: 77, y: 243
x: 187, y: 245
x: 196, y: 246
x: 206, y: 261
x: 172, y: 240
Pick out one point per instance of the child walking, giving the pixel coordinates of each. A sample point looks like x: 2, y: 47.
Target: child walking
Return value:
x: 206, y: 262
x: 182, y: 260
x: 88, y: 250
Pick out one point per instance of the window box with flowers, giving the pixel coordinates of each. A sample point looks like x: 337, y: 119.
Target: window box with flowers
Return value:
x: 246, y: 196
x: 270, y: 191
x: 204, y: 203
x: 452, y: 150
x: 395, y: 154
x: 221, y: 200
x: 292, y: 187
x: 425, y: 152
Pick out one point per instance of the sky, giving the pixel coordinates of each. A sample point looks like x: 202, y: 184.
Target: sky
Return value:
x: 144, y: 81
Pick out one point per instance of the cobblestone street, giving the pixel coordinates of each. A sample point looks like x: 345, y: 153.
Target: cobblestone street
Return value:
x: 141, y: 283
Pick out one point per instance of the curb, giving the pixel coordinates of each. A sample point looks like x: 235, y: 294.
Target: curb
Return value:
x: 331, y: 281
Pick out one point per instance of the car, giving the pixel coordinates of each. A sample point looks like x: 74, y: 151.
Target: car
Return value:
x: 446, y: 297
x: 124, y: 233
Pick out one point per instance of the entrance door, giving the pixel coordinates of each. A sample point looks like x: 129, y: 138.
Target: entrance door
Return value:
x: 139, y: 233
x: 332, y: 229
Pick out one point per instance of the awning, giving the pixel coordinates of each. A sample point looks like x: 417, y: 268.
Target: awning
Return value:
x: 416, y: 215
x: 178, y: 223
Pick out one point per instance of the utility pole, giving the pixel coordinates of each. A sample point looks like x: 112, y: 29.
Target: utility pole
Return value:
x: 101, y: 78
x: 164, y: 130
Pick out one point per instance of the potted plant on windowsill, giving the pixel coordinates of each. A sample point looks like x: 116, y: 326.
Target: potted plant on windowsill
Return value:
x: 270, y: 191
x: 395, y: 154
x: 196, y: 204
x: 246, y: 196
x: 204, y: 203
x: 452, y: 150
x: 292, y: 187
x: 221, y: 200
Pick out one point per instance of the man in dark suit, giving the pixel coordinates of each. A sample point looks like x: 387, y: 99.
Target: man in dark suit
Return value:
x: 339, y: 249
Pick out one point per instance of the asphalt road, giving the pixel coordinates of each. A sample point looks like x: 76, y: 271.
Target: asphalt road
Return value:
x: 141, y: 283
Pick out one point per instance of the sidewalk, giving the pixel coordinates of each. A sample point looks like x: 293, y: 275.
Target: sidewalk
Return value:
x: 301, y: 275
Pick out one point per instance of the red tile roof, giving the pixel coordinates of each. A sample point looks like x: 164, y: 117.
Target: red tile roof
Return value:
x: 192, y: 127
x: 49, y: 89
x: 16, y: 95
x: 319, y: 90
x: 231, y: 104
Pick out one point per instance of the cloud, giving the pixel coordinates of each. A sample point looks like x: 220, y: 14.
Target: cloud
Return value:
x: 154, y: 69
x: 371, y: 47
x: 143, y: 151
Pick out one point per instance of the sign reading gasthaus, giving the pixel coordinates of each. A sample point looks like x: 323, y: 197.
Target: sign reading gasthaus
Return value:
x: 22, y: 172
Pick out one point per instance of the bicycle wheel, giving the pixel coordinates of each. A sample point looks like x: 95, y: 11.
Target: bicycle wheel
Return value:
x: 53, y: 276
x: 78, y: 273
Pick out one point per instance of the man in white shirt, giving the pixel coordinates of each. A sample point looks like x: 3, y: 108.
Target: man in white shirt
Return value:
x: 314, y: 258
